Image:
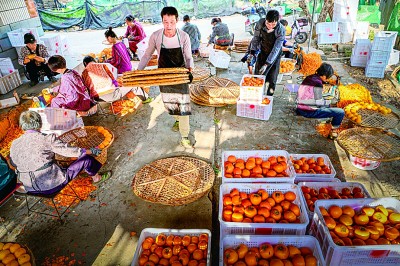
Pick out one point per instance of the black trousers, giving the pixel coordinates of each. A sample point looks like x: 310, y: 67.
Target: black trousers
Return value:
x: 272, y: 72
x: 33, y: 70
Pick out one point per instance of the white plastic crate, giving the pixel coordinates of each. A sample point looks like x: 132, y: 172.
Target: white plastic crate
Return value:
x: 219, y: 58
x: 378, y: 58
x: 264, y: 154
x: 362, y: 28
x: 290, y: 72
x: 255, y: 110
x: 362, y: 48
x: 327, y: 27
x: 233, y: 228
x: 52, y: 41
x: 6, y: 66
x: 10, y: 82
x: 358, y: 61
x: 345, y: 10
x: 329, y: 38
x: 331, y: 186
x: 255, y: 241
x: 64, y: 43
x: 354, y: 255
x: 394, y: 57
x: 314, y: 177
x: 372, y: 71
x: 347, y: 30
x: 384, y: 41
x: 358, y: 36
x: 16, y: 37
x: 249, y: 93
x: 153, y: 232
x: 57, y: 51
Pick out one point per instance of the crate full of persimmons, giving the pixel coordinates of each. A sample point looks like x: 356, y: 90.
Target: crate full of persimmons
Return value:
x: 252, y: 88
x: 269, y: 166
x: 261, y: 209
x: 358, y: 231
x: 158, y: 246
x: 247, y: 250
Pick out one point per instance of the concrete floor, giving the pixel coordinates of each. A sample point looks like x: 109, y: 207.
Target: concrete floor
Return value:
x: 99, y: 232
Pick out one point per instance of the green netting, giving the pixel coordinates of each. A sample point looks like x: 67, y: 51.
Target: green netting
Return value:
x: 394, y: 23
x: 369, y: 13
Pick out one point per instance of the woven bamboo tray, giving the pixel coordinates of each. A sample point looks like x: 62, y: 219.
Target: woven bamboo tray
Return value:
x: 215, y: 92
x: 173, y: 181
x: 371, y: 118
x: 85, y: 137
x: 370, y: 143
x: 200, y: 74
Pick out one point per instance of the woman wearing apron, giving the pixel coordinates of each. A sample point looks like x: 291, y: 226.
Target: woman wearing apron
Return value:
x: 174, y: 50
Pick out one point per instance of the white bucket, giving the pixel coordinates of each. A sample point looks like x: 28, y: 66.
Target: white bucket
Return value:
x: 364, y: 164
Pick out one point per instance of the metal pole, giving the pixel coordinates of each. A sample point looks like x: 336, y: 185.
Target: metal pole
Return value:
x: 311, y: 28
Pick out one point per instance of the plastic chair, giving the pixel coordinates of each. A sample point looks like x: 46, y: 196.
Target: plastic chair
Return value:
x: 39, y: 197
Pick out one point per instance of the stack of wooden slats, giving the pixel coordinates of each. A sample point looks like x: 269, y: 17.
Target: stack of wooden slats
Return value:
x: 156, y: 77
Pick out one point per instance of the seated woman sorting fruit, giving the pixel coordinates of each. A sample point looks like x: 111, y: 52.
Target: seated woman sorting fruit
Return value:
x: 72, y: 92
x: 33, y: 155
x: 310, y: 102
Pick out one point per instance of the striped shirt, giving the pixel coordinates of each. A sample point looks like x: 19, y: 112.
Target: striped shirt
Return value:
x: 194, y: 35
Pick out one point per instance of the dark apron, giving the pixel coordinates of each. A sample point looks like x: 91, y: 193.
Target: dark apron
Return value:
x: 267, y: 43
x: 175, y: 97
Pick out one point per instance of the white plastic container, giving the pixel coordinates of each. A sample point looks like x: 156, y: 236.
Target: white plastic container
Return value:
x: 255, y: 110
x: 153, y: 232
x: 329, y: 38
x: 327, y: 27
x: 358, y: 61
x: 384, y: 41
x: 233, y: 228
x: 290, y: 72
x: 264, y: 154
x: 255, y: 241
x: 64, y: 43
x: 331, y: 186
x: 314, y: 177
x: 394, y: 57
x: 363, y: 164
x: 53, y: 42
x: 6, y: 66
x: 345, y: 10
x: 347, y: 30
x: 219, y: 58
x: 16, y: 37
x: 250, y: 93
x: 354, y: 255
x: 10, y: 82
x: 378, y: 58
x: 362, y: 47
x: 372, y: 71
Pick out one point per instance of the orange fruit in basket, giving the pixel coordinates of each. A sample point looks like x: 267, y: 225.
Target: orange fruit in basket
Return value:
x: 231, y: 158
x: 311, y: 260
x: 290, y: 196
x: 330, y: 222
x: 335, y: 211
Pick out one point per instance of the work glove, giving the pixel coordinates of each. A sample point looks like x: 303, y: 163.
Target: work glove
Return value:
x: 291, y: 50
x: 250, y: 58
x: 95, y: 151
x: 263, y: 69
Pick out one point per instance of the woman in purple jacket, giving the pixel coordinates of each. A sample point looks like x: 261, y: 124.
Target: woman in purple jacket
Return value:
x: 120, y: 56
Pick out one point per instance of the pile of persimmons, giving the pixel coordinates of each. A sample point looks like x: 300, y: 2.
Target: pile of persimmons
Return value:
x: 269, y: 255
x: 274, y: 166
x: 311, y: 195
x: 367, y: 226
x: 260, y: 207
x: 174, y: 250
x: 311, y: 166
x: 252, y: 82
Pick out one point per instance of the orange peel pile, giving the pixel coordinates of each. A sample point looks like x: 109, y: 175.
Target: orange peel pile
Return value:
x: 311, y: 62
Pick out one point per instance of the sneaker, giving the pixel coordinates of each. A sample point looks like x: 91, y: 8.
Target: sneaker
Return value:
x: 185, y: 142
x: 175, y: 127
x: 148, y: 100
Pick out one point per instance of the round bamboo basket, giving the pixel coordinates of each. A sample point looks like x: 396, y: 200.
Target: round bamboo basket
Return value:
x: 85, y: 137
x: 173, y: 181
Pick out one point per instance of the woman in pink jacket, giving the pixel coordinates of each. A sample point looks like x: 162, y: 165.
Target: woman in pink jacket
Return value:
x: 134, y: 33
